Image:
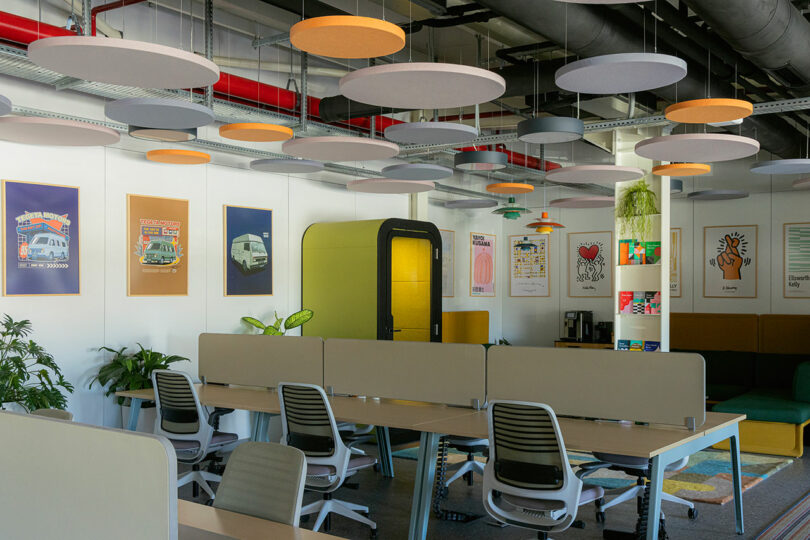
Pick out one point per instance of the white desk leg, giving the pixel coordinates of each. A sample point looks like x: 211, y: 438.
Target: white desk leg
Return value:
x: 734, y: 447
x: 656, y: 485
x: 423, y: 485
x: 134, y: 412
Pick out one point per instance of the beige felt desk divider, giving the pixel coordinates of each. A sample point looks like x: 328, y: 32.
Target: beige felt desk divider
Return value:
x: 665, y: 388
x: 257, y: 360
x: 449, y: 373
x: 75, y: 482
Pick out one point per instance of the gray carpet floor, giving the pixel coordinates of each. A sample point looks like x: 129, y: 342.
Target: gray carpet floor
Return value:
x: 390, y: 502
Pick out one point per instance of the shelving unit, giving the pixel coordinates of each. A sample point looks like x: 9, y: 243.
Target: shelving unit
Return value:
x: 645, y: 277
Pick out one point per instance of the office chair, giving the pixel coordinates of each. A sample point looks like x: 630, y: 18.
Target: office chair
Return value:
x: 54, y: 413
x: 528, y: 481
x: 188, y: 426
x: 264, y: 480
x: 309, y: 425
x: 467, y: 468
x: 640, y: 468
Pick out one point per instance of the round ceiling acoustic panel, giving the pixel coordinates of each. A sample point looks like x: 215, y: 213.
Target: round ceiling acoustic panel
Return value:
x: 54, y: 132
x: 620, y: 73
x: 802, y: 183
x: 602, y: 2
x: 256, y: 132
x: 163, y: 135
x: 782, y: 166
x: 682, y: 169
x: 550, y: 130
x: 736, y: 122
x: 705, y: 111
x: 697, y: 147
x: 480, y: 160
x: 717, y: 194
x: 100, y: 59
x: 471, y: 203
x: 159, y: 113
x: 430, y: 133
x: 5, y: 105
x: 178, y: 157
x: 347, y: 36
x: 595, y: 201
x: 340, y: 148
x: 417, y: 171
x: 422, y: 85
x: 388, y: 185
x: 594, y: 174
x: 510, y: 188
x: 286, y: 166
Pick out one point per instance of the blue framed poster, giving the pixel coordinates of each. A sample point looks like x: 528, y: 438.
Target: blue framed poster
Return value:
x: 248, y: 251
x: 40, y: 239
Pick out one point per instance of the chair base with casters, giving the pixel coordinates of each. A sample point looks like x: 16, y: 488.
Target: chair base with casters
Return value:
x: 469, y: 467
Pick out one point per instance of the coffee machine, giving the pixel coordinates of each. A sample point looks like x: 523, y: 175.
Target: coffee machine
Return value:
x: 578, y: 326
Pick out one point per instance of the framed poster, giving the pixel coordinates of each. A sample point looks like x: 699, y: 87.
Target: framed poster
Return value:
x: 448, y: 262
x: 528, y: 265
x: 482, y: 264
x: 157, y: 241
x: 796, y: 247
x: 590, y: 264
x: 40, y: 239
x: 248, y: 251
x: 730, y: 261
x: 675, y: 263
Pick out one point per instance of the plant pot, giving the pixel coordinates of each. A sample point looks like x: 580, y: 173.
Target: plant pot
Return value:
x: 146, y: 419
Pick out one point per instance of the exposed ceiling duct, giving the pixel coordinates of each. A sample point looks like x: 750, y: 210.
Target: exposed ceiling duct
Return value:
x: 589, y: 31
x: 772, y: 34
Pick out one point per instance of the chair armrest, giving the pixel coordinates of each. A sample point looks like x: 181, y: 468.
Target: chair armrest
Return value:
x: 213, y: 418
x: 591, y: 467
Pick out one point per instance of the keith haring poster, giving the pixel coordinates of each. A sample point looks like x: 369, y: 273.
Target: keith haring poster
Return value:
x: 590, y: 264
x: 730, y: 261
x: 40, y: 239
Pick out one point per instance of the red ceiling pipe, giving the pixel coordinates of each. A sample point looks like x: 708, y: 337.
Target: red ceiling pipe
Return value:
x: 107, y: 7
x: 16, y: 29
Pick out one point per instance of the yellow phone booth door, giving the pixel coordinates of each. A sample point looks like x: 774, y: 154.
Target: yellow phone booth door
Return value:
x: 410, y: 288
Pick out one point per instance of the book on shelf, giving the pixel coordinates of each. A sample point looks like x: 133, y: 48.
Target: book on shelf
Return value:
x: 626, y: 302
x: 623, y: 345
x: 640, y: 302
x: 652, y: 252
x: 633, y: 252
x: 636, y: 345
x: 652, y: 346
x: 624, y: 251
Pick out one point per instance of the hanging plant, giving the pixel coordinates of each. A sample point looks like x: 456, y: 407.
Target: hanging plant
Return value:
x: 634, y: 211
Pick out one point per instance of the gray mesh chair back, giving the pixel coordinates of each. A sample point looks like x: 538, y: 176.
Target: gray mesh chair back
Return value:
x: 529, y: 468
x: 309, y: 424
x: 265, y: 480
x: 54, y: 413
x: 180, y: 416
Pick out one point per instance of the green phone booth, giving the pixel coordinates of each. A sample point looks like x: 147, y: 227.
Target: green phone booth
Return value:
x: 374, y: 279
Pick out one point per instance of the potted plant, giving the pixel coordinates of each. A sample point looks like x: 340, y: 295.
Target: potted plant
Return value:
x: 132, y: 371
x: 29, y: 376
x: 275, y: 329
x: 634, y: 211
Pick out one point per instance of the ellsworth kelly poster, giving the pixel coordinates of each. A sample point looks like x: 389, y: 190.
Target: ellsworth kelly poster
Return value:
x: 40, y: 239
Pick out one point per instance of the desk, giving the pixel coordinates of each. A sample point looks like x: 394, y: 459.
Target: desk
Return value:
x: 241, y: 526
x: 662, y: 445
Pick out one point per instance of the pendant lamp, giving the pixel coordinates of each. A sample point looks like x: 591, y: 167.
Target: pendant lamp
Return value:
x: 550, y: 130
x: 544, y: 225
x: 480, y: 160
x: 347, y: 36
x: 123, y: 62
x: 511, y: 211
x: 620, y: 73
x: 525, y: 244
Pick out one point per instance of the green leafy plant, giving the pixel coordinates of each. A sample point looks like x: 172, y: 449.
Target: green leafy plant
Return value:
x: 131, y: 371
x: 275, y: 329
x: 29, y: 376
x: 634, y: 211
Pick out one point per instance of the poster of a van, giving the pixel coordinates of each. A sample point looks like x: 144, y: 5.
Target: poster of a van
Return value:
x: 248, y: 251
x: 48, y: 247
x: 159, y: 252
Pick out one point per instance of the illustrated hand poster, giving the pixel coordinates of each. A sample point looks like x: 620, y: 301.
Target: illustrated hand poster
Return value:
x: 40, y: 239
x: 528, y: 263
x: 482, y: 264
x: 157, y: 241
x: 797, y: 260
x: 730, y: 261
x: 248, y: 251
x: 675, y: 263
x: 448, y: 262
x: 590, y: 264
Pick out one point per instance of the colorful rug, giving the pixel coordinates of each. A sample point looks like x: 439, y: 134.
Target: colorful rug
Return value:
x: 706, y: 478
x: 792, y: 525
